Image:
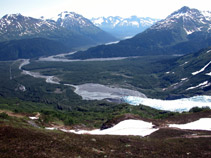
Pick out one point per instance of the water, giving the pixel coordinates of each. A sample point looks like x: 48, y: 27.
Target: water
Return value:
x: 91, y: 91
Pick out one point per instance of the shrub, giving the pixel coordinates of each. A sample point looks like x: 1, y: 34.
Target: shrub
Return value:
x: 3, y: 115
x: 197, y: 109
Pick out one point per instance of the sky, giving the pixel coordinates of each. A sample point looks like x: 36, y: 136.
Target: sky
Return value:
x: 96, y: 8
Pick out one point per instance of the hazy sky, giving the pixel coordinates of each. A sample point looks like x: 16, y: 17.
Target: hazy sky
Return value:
x: 95, y: 8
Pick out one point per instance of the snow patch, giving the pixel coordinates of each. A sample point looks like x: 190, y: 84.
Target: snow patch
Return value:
x: 207, y: 15
x: 204, y: 84
x: 188, y: 32
x: 209, y: 74
x: 126, y: 127
x: 109, y: 43
x: 201, y: 124
x: 51, y: 128
x: 184, y: 63
x: 183, y: 79
x: 34, y: 118
x: 197, y: 72
x: 208, y: 51
x: 22, y: 88
x: 135, y: 23
x: 98, y: 21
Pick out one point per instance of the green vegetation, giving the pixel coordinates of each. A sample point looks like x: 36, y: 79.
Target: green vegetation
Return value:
x: 30, y: 48
x: 142, y: 74
x: 197, y: 109
x: 3, y: 115
x: 59, y: 103
x: 155, y: 76
x: 90, y: 114
x: 151, y: 42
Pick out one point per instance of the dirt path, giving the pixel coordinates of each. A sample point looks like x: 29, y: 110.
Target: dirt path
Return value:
x: 12, y: 114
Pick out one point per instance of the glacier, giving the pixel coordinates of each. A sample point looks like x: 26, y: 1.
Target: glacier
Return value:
x: 178, y: 105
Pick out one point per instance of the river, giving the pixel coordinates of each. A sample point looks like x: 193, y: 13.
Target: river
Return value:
x: 91, y: 91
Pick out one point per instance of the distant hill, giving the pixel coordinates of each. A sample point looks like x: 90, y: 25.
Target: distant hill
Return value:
x: 30, y: 48
x: 184, y: 31
x: 124, y: 27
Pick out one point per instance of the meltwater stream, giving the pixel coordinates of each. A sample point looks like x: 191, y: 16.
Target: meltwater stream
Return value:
x: 91, y: 91
x: 88, y: 91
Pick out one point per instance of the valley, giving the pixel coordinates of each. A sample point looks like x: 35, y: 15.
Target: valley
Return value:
x: 69, y: 89
x: 44, y: 79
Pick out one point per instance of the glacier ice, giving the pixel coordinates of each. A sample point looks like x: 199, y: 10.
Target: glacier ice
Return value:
x: 178, y: 105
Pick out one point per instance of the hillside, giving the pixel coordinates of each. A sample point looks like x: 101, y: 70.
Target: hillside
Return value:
x: 191, y: 74
x: 30, y: 48
x: 20, y: 139
x: 184, y: 31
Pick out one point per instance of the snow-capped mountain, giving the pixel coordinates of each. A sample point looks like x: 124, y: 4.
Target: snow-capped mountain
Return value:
x: 184, y: 31
x: 66, y: 26
x: 123, y: 27
x: 190, y: 20
x: 17, y: 26
x: 68, y: 30
x: 77, y: 23
x: 70, y: 20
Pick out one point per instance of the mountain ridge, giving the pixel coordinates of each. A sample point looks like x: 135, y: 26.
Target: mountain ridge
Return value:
x: 17, y: 26
x: 67, y: 32
x: 168, y: 36
x: 123, y: 27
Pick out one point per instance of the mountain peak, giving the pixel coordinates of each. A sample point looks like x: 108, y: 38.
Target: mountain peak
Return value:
x: 11, y: 15
x: 71, y: 19
x: 188, y: 20
x: 67, y: 14
x: 184, y: 9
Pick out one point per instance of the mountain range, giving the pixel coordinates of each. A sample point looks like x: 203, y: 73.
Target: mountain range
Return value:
x: 68, y: 30
x: 184, y: 31
x: 123, y: 27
